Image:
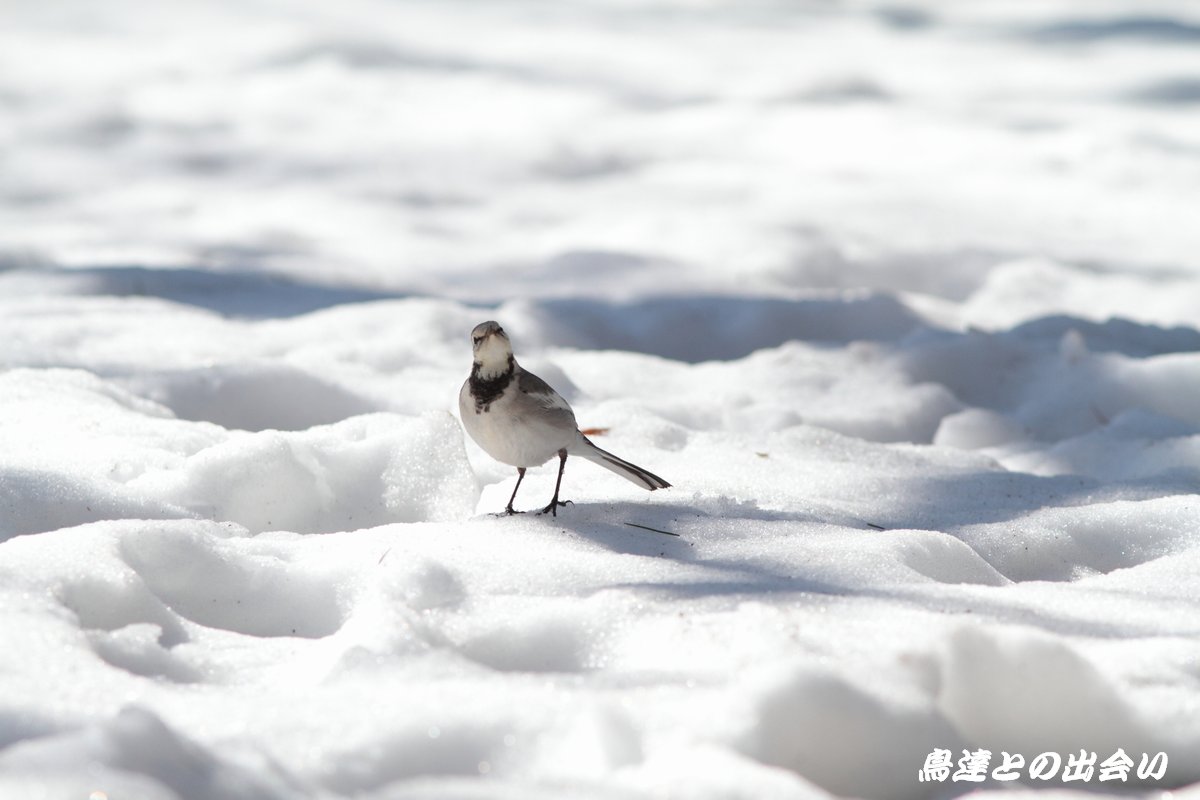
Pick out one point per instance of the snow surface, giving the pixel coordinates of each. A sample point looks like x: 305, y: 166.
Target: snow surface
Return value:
x: 904, y: 300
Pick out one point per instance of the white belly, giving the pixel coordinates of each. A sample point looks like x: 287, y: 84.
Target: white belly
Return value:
x: 511, y: 435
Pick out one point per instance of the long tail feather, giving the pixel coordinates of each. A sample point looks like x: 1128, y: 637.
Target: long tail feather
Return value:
x: 630, y: 472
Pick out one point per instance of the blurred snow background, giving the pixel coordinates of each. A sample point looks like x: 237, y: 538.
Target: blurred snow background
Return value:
x: 904, y: 299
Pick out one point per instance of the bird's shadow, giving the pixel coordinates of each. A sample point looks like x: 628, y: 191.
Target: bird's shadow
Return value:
x: 630, y: 528
x: 672, y: 531
x: 659, y: 529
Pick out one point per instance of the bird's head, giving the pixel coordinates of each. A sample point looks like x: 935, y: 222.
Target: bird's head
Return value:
x: 493, y: 351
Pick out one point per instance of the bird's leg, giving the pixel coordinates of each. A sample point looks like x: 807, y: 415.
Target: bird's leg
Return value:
x: 508, y: 509
x: 554, y: 503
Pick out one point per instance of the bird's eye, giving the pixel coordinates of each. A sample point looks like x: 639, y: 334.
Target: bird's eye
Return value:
x: 478, y: 339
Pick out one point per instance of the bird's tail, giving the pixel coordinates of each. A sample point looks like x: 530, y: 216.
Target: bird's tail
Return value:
x: 630, y: 472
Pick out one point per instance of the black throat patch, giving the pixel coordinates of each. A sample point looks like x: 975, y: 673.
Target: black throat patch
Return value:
x: 486, y: 390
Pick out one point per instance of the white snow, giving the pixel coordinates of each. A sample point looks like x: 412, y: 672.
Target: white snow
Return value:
x: 902, y: 298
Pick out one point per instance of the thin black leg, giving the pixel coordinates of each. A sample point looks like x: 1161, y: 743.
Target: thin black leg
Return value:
x: 508, y: 509
x: 554, y: 504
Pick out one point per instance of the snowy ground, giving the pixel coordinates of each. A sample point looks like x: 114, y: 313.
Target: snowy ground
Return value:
x: 904, y: 299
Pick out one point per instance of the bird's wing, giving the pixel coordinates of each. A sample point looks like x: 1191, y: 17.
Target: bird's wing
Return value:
x: 540, y: 392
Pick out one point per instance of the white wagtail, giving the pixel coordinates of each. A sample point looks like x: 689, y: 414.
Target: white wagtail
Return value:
x: 518, y: 419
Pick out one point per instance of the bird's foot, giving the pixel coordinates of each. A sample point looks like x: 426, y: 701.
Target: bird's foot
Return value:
x: 507, y: 512
x: 552, y: 509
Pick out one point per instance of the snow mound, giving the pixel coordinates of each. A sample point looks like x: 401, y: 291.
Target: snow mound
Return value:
x: 732, y: 326
x: 1050, y: 388
x: 252, y: 397
x: 820, y: 726
x: 37, y: 500
x: 361, y: 472
x: 110, y: 454
x: 137, y: 755
x: 1024, y: 692
x: 1028, y: 289
x: 977, y: 429
x: 1072, y: 543
x: 259, y: 593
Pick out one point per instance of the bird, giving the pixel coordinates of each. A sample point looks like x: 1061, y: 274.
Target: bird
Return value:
x: 518, y: 419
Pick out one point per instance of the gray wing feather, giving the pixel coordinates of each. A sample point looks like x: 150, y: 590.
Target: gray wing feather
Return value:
x: 538, y: 391
x: 531, y: 384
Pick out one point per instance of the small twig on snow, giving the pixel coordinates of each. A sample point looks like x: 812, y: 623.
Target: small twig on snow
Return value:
x: 648, y: 528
